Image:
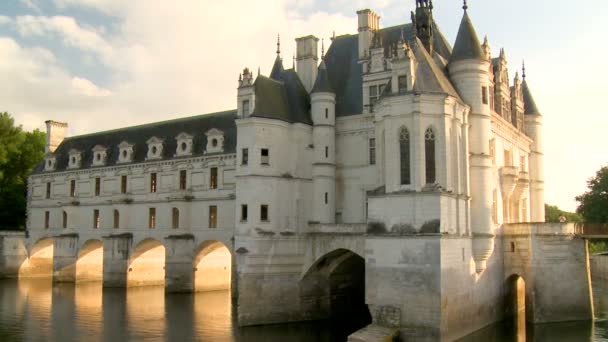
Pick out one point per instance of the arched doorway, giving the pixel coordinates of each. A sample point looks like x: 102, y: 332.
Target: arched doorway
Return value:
x: 515, y: 308
x: 334, y: 288
x: 212, y: 267
x: 89, y: 266
x: 40, y: 261
x: 147, y: 264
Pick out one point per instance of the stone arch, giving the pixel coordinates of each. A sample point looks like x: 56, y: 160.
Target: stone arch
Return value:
x: 334, y: 288
x: 212, y: 265
x: 39, y: 263
x: 147, y: 264
x: 517, y: 302
x: 89, y: 262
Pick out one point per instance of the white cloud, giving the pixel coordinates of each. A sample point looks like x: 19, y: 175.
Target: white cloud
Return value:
x: 4, y: 20
x: 31, y: 5
x: 85, y: 87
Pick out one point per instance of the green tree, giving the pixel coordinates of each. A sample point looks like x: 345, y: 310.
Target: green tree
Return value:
x: 593, y: 205
x: 553, y: 213
x: 19, y: 152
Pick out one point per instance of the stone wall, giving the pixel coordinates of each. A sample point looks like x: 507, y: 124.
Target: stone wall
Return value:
x: 13, y: 252
x: 599, y: 267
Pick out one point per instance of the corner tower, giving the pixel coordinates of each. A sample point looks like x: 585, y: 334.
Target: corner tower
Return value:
x: 533, y: 121
x: 469, y: 71
x: 323, y: 109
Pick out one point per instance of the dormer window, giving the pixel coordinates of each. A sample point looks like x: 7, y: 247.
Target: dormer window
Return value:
x: 75, y: 159
x: 184, y: 145
x: 99, y: 155
x: 155, y: 148
x: 125, y: 154
x: 50, y: 162
x: 215, y: 141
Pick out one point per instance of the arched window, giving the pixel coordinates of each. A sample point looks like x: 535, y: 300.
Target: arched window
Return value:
x: 429, y: 157
x: 65, y: 220
x: 404, y: 152
x: 116, y: 219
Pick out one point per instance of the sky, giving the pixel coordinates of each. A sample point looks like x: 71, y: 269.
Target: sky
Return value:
x: 104, y: 64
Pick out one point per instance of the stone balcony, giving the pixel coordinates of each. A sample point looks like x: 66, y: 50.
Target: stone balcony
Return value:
x: 126, y: 198
x: 181, y: 195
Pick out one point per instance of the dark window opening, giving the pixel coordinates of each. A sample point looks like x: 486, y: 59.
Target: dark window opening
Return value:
x: 152, y: 218
x: 326, y: 113
x: 265, y: 154
x: 116, y: 219
x: 182, y: 179
x: 212, y: 216
x: 326, y: 198
x: 153, y: 182
x: 326, y: 152
x: 72, y: 188
x: 48, y: 190
x: 264, y: 213
x: 97, y: 186
x: 65, y: 220
x: 244, y: 213
x: 429, y: 149
x: 213, y: 178
x: 47, y: 219
x: 372, y: 151
x: 484, y: 95
x: 175, y: 218
x: 245, y: 156
x: 96, y: 219
x: 123, y: 184
x: 404, y: 153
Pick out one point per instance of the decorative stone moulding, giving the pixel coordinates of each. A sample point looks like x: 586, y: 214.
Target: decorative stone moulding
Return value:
x: 50, y: 162
x: 215, y: 141
x: 155, y: 148
x: 125, y: 154
x: 184, y: 145
x: 508, y: 180
x: 100, y: 155
x: 483, y: 246
x: 75, y: 159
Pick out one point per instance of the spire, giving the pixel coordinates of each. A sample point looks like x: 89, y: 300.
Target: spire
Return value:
x: 530, y: 107
x: 323, y: 49
x: 467, y: 44
x: 465, y: 7
x: 322, y: 84
x: 523, y: 70
x: 278, y: 44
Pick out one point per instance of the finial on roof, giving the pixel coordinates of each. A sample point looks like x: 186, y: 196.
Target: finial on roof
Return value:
x: 258, y: 71
x: 293, y: 63
x: 333, y: 35
x: 465, y: 7
x: 278, y: 44
x: 431, y: 5
x: 523, y: 70
x: 323, y: 48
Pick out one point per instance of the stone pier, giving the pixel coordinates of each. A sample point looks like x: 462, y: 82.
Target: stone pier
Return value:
x: 116, y: 252
x: 65, y: 256
x: 179, y: 273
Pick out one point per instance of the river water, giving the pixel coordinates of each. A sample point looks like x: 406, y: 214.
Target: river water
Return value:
x: 40, y: 311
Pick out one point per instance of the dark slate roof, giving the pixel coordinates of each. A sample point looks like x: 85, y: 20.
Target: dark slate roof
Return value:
x: 429, y: 76
x: 345, y: 72
x: 467, y: 44
x: 282, y: 96
x: 529, y: 103
x: 322, y: 82
x: 196, y: 126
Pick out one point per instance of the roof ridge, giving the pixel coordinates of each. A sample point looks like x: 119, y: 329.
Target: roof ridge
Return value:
x: 185, y: 118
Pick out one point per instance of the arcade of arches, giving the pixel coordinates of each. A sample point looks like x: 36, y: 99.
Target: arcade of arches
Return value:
x: 145, y: 266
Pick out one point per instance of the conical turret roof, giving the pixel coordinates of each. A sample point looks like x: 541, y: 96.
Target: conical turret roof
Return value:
x: 277, y: 68
x: 529, y: 103
x: 322, y: 84
x: 467, y: 44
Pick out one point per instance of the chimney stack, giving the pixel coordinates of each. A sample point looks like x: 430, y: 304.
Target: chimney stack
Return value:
x: 55, y: 132
x: 307, y: 58
x: 369, y: 23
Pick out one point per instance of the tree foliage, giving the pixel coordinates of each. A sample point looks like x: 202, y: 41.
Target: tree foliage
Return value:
x: 593, y: 205
x: 553, y: 213
x: 20, y: 151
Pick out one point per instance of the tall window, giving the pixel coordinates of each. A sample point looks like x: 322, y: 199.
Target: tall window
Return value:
x: 182, y: 179
x: 375, y: 92
x: 212, y: 216
x: 48, y: 190
x: 429, y: 151
x: 47, y: 219
x: 327, y: 113
x: 96, y: 219
x: 245, y: 156
x: 326, y: 198
x: 265, y: 156
x: 326, y: 151
x: 244, y: 213
x: 404, y: 154
x: 402, y: 84
x: 153, y: 182
x: 175, y: 218
x: 264, y: 212
x: 245, y: 107
x: 97, y: 186
x: 116, y: 219
x: 213, y: 178
x: 484, y: 95
x: 73, y: 188
x: 65, y: 220
x: 152, y: 218
x: 372, y: 151
x: 123, y: 184
x: 508, y: 158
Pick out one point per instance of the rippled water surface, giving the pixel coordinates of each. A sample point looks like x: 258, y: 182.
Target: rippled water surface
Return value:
x: 40, y: 311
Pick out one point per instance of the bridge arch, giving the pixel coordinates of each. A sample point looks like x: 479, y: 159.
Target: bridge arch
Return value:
x: 517, y: 302
x: 147, y: 264
x: 39, y: 263
x: 212, y: 265
x: 334, y: 288
x: 89, y: 262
